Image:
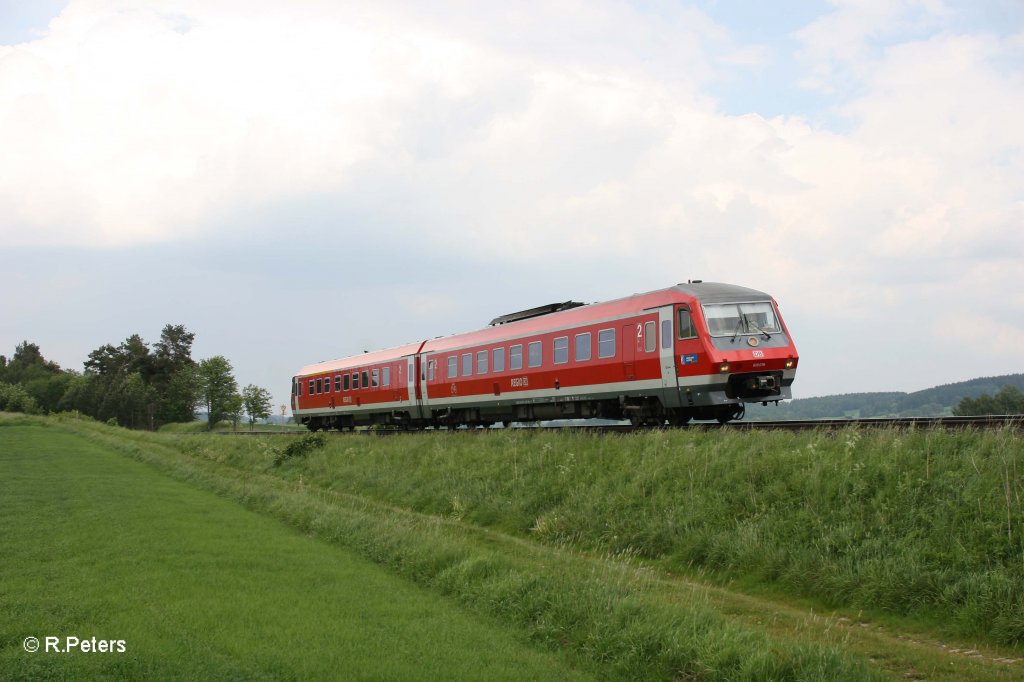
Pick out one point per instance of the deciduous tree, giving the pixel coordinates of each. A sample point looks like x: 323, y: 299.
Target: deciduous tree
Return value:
x: 257, y: 403
x: 218, y: 387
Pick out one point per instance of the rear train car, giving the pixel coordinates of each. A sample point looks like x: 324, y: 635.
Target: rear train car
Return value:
x: 693, y: 351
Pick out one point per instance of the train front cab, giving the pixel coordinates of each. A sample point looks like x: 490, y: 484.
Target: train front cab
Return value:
x: 731, y: 347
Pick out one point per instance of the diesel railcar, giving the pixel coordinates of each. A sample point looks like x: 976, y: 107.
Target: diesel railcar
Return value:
x: 699, y: 350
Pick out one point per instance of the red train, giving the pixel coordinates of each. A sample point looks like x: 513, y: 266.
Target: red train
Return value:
x: 698, y: 350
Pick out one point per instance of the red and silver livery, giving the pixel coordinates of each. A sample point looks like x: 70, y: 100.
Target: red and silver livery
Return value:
x: 693, y: 351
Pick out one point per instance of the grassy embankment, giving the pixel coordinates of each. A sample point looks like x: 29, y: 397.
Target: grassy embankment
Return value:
x: 196, y: 587
x: 924, y: 525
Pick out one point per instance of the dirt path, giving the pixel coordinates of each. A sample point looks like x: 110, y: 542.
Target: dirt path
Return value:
x: 905, y: 654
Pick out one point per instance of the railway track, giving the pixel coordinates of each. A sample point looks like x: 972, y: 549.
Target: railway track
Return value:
x: 982, y: 422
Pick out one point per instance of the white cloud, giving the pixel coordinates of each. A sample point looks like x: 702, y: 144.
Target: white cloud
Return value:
x: 536, y: 133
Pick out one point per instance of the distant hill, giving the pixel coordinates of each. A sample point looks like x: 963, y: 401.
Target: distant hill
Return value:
x: 931, y: 402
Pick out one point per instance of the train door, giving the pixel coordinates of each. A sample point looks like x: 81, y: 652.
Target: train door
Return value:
x: 690, y: 356
x: 412, y: 384
x: 667, y: 357
x: 632, y: 334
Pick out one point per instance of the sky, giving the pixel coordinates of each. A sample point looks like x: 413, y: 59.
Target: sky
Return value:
x: 302, y: 181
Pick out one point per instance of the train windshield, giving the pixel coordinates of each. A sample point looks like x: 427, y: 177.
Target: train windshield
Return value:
x: 731, y: 319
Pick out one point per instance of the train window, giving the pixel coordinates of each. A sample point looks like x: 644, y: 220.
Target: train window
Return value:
x: 481, y: 362
x: 312, y: 385
x: 650, y: 339
x: 731, y: 319
x: 498, y: 359
x: 515, y: 356
x: 319, y: 385
x: 386, y: 378
x: 467, y: 364
x: 355, y: 381
x: 561, y: 347
x: 534, y: 354
x: 686, y: 329
x: 366, y: 379
x: 431, y: 370
x: 375, y: 378
x: 583, y: 349
x: 666, y: 333
x: 346, y: 382
x: 337, y: 383
x: 453, y: 366
x: 606, y: 343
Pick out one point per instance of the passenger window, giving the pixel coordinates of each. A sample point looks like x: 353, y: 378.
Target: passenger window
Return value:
x: 346, y: 382
x: 498, y: 357
x: 453, y: 367
x: 606, y: 343
x: 666, y: 333
x: 431, y: 369
x: 561, y: 348
x: 467, y: 364
x: 312, y: 385
x: 515, y: 356
x: 337, y: 383
x: 481, y: 362
x: 686, y: 329
x: 650, y: 339
x: 366, y: 379
x: 355, y: 381
x: 319, y: 385
x: 375, y: 381
x: 534, y: 354
x: 387, y: 376
x: 583, y: 349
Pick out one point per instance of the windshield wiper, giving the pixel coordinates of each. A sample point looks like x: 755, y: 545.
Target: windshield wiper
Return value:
x: 766, y: 334
x: 739, y: 328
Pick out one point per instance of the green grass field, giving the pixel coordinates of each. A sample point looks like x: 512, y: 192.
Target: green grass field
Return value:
x: 98, y: 545
x: 681, y: 555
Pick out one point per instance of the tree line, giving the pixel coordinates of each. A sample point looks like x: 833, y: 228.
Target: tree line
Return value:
x: 133, y: 384
x: 1007, y: 400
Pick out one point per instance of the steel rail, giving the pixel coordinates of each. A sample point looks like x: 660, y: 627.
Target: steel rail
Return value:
x: 1012, y: 421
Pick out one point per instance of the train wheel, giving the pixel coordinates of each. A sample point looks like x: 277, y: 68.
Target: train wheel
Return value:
x: 728, y: 413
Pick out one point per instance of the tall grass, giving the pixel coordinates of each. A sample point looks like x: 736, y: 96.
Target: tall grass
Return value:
x: 608, y: 613
x: 926, y: 523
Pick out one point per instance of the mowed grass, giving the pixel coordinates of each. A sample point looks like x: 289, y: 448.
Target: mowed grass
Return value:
x: 93, y: 544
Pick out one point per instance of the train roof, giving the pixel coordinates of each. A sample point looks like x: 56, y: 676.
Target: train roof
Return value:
x: 716, y: 292
x: 364, y: 360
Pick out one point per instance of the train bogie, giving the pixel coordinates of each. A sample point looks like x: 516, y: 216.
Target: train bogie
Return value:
x: 693, y: 351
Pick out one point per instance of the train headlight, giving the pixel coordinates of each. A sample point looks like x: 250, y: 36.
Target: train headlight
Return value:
x: 790, y: 363
x: 724, y: 368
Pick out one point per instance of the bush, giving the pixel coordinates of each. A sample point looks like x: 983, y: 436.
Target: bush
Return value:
x: 14, y: 398
x: 301, y: 447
